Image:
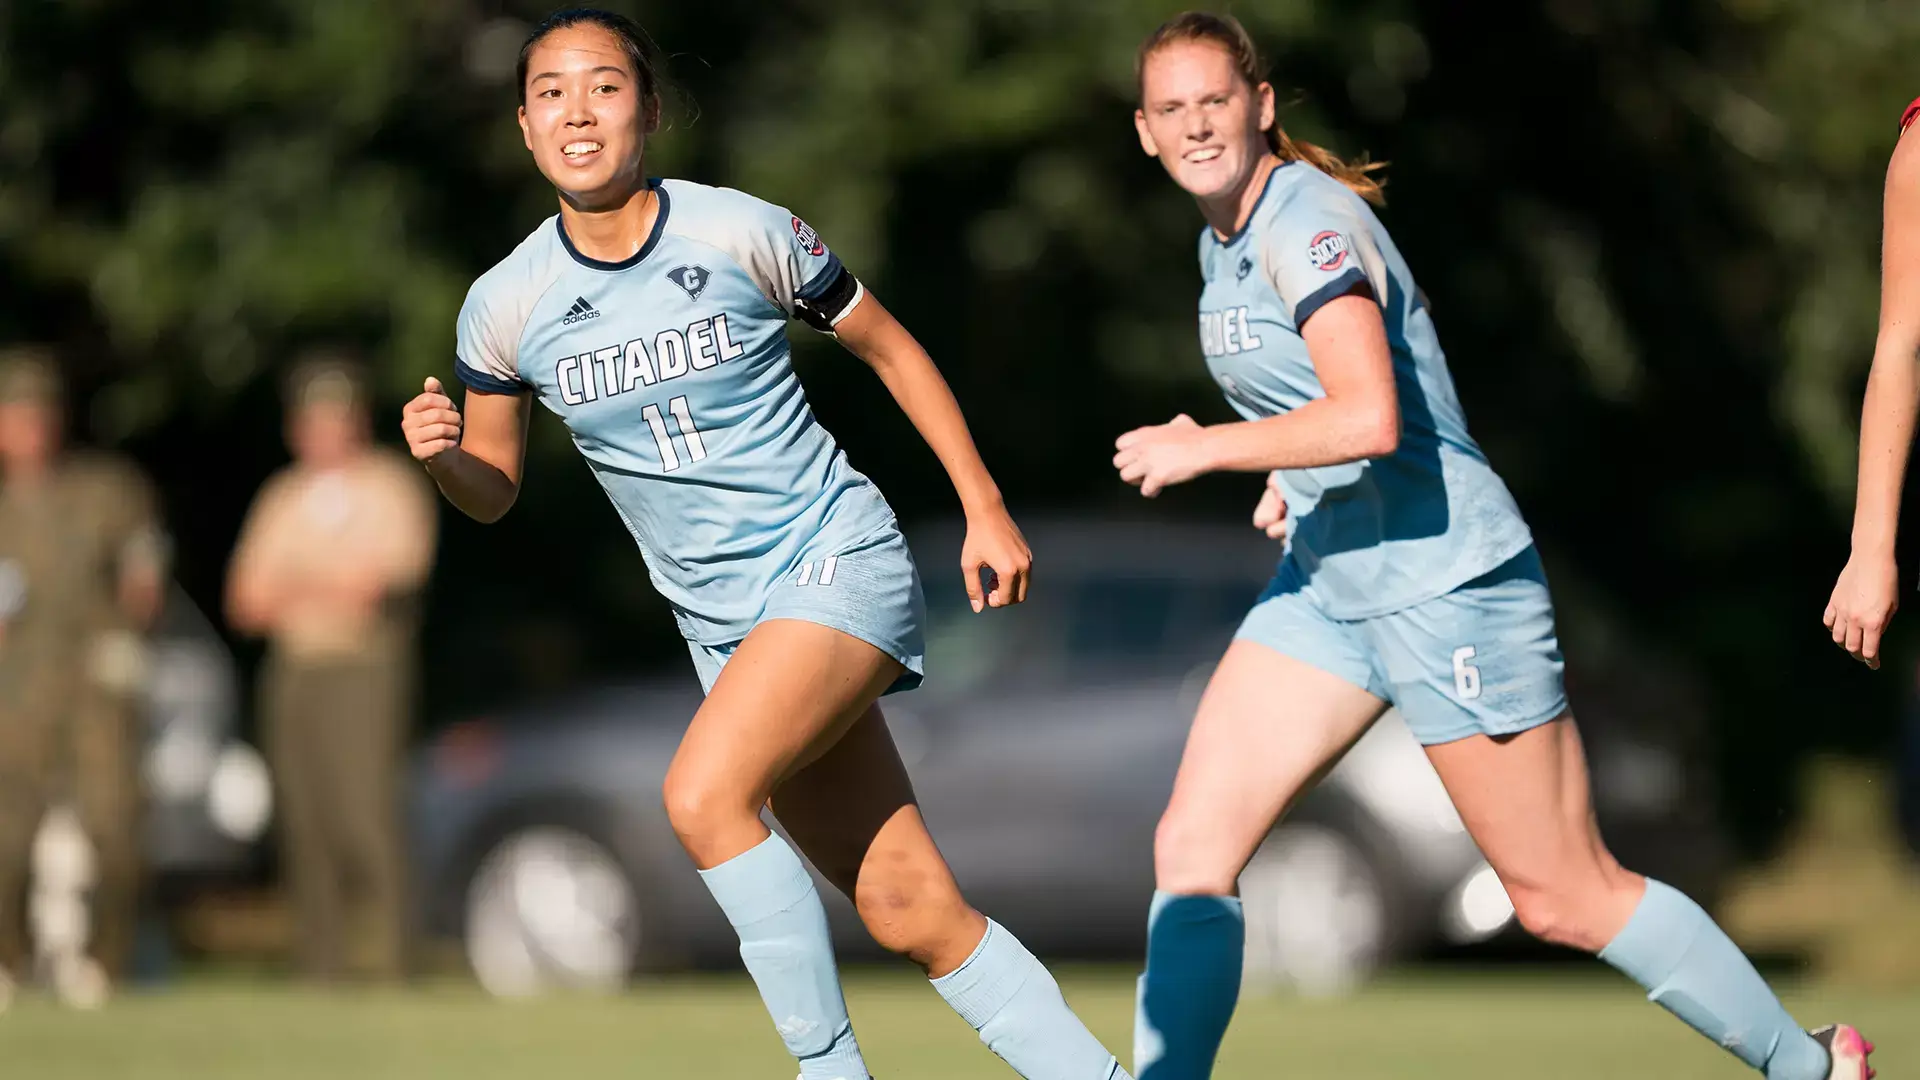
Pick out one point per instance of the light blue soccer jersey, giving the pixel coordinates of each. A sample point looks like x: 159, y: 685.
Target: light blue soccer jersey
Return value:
x: 1368, y: 537
x: 671, y: 370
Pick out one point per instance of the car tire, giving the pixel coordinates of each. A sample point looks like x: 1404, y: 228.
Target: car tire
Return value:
x: 1319, y: 914
x: 551, y: 905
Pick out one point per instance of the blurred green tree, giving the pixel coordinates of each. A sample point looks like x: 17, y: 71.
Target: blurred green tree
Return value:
x: 1649, y: 231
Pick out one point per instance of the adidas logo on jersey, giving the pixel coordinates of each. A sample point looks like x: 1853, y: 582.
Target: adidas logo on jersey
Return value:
x: 581, y: 311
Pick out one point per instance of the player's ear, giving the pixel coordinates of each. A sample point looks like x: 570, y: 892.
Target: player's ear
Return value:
x: 1263, y: 99
x: 526, y: 135
x: 651, y: 124
x: 1146, y: 137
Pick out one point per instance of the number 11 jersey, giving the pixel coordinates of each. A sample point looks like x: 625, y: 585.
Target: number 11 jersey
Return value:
x: 672, y: 372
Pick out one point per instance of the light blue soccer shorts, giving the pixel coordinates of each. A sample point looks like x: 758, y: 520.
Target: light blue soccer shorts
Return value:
x: 1481, y: 660
x: 869, y: 590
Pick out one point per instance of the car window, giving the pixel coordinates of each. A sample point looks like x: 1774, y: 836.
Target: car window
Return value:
x: 1120, y: 619
x: 1219, y: 607
x: 1083, y: 623
x: 1170, y: 622
x: 966, y: 649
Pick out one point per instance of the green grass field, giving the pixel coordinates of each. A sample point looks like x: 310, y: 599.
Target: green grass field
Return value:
x: 1566, y: 1027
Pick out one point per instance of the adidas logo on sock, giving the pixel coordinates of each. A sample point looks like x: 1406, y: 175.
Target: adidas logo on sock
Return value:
x: 579, y: 312
x: 795, y: 1027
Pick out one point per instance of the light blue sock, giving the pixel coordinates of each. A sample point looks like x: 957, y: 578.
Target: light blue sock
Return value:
x: 1010, y: 998
x: 1194, y: 949
x: 771, y: 902
x: 1694, y: 971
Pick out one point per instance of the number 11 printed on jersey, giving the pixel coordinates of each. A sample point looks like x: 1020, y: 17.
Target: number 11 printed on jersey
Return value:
x: 683, y: 416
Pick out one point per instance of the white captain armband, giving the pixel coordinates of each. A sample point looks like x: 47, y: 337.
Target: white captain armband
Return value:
x: 831, y: 300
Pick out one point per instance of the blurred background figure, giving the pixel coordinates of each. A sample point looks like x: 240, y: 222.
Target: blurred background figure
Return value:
x: 331, y: 560
x: 82, y: 562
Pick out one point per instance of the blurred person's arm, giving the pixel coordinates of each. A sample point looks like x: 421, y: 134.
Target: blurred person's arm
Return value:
x: 145, y: 554
x: 143, y: 575
x: 255, y: 586
x: 476, y: 458
x: 392, y: 553
x: 13, y: 594
x: 415, y: 535
x: 1867, y: 594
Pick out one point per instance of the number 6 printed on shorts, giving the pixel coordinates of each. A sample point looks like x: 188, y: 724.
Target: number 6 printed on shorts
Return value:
x: 1466, y: 677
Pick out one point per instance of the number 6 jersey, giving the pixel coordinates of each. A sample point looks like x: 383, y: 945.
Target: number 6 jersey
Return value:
x: 1367, y: 537
x: 671, y: 370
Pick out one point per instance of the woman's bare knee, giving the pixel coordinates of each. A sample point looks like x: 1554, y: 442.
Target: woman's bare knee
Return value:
x: 1580, y: 911
x: 714, y: 819
x: 1525, y: 799
x: 785, y: 699
x: 1190, y: 858
x: 916, y: 912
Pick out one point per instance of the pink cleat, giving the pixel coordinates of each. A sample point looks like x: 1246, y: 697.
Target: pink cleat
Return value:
x: 1848, y: 1051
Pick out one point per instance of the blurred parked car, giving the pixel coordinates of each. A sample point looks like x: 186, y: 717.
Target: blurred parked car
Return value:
x: 1043, y: 748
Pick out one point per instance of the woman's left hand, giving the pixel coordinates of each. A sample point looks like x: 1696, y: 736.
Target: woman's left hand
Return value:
x: 1156, y: 457
x: 994, y: 541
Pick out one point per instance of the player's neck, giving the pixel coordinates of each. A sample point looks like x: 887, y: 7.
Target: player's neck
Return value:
x: 612, y: 234
x: 1228, y: 212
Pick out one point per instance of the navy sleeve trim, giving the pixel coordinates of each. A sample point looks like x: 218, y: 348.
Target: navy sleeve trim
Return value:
x: 828, y: 298
x: 485, y: 383
x: 1353, y: 282
x: 827, y: 278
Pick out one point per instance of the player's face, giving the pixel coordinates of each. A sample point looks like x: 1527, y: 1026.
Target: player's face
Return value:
x: 1201, y: 119
x: 585, y: 117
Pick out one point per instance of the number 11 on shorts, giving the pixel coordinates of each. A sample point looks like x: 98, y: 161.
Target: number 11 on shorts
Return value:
x: 1466, y: 677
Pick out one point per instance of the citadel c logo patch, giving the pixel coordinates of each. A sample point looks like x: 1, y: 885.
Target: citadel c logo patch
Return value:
x: 809, y: 239
x: 1327, y: 251
x: 691, y: 278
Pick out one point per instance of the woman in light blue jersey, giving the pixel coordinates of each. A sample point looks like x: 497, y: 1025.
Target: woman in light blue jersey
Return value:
x: 1408, y: 578
x: 651, y: 317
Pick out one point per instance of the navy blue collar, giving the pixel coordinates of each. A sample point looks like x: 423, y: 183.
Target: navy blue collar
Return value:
x: 646, y: 249
x: 1251, y: 214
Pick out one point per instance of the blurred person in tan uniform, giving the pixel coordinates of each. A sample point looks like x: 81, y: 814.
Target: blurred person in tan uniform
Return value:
x: 331, y: 560
x: 83, y: 560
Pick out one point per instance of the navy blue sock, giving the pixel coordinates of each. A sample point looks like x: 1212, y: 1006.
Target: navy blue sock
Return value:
x: 1693, y: 970
x: 1195, y: 946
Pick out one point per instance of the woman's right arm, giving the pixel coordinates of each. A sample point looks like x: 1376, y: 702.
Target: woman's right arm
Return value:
x: 476, y: 459
x: 1868, y: 591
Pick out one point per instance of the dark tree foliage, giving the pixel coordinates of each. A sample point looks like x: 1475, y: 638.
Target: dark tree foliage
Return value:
x: 1650, y: 233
